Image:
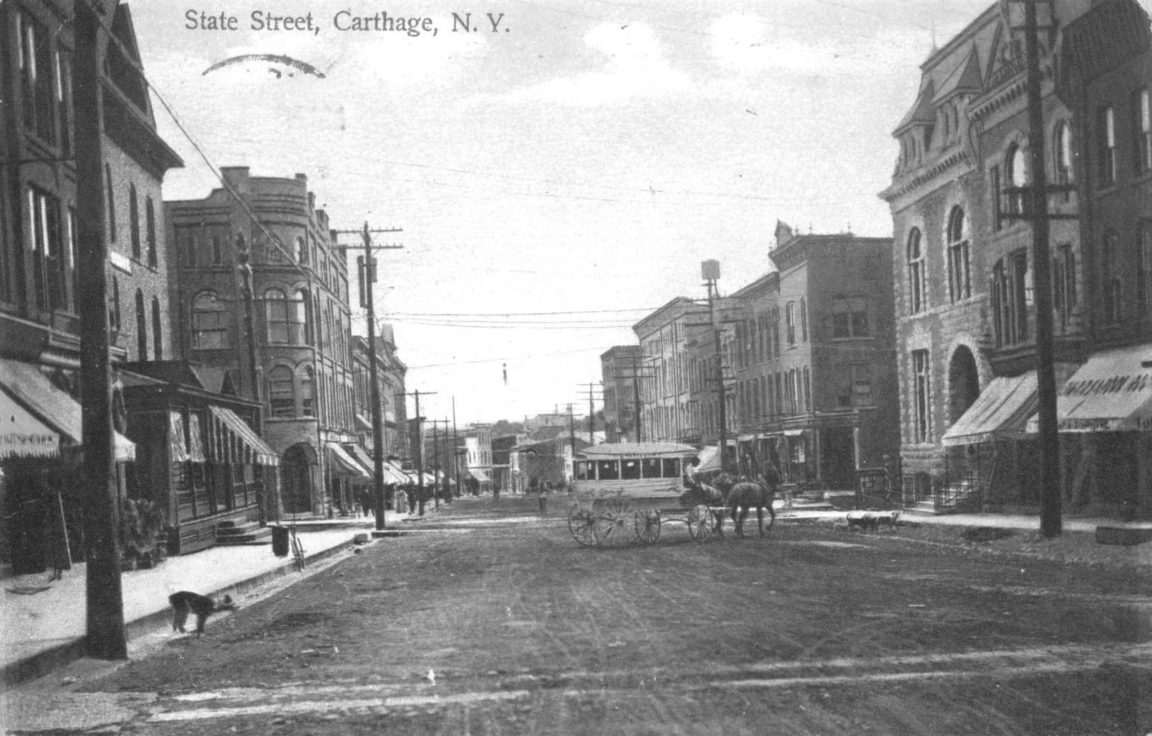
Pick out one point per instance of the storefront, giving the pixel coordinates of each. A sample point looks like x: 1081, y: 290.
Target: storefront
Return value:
x: 42, y: 486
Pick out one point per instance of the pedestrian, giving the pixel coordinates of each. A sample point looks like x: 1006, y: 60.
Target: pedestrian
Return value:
x: 770, y: 476
x: 543, y: 497
x: 692, y: 474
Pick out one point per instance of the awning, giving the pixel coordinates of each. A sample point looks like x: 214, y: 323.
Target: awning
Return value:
x: 1001, y: 410
x: 479, y: 474
x: 1112, y: 392
x: 343, y: 464
x: 236, y: 442
x: 393, y: 473
x: 363, y: 422
x: 23, y: 435
x: 30, y: 391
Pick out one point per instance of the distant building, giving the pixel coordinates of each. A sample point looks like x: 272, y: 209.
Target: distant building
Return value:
x: 621, y: 371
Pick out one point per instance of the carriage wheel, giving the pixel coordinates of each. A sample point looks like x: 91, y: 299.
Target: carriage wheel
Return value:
x: 701, y: 523
x: 647, y: 525
x: 582, y: 525
x: 612, y: 524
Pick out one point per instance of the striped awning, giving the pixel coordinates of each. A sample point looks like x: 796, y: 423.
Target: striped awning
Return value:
x: 233, y: 441
x: 33, y: 398
x: 341, y: 463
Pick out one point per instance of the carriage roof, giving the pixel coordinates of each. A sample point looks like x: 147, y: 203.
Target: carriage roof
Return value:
x: 636, y: 449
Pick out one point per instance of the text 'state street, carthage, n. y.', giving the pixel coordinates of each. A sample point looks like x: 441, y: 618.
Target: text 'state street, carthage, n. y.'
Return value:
x: 344, y: 20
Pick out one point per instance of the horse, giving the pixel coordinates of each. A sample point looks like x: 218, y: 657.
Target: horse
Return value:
x: 744, y: 495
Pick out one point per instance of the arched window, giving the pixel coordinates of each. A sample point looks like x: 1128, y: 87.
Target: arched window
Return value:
x: 959, y: 257
x: 916, y: 276
x: 141, y: 328
x: 276, y: 316
x: 1062, y: 156
x: 209, y: 326
x: 150, y: 230
x: 134, y: 221
x: 281, y: 392
x: 308, y: 393
x: 1017, y: 177
x: 157, y: 334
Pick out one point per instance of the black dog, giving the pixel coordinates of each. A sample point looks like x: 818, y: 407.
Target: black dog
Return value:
x: 202, y: 606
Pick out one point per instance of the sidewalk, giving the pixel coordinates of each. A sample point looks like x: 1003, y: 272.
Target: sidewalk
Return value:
x: 999, y: 521
x: 43, y: 624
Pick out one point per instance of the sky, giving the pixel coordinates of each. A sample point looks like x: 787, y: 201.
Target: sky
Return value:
x: 559, y: 172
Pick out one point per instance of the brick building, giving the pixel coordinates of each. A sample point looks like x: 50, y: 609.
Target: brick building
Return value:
x: 621, y: 371
x: 39, y: 279
x: 667, y: 413
x: 301, y: 322
x: 390, y: 375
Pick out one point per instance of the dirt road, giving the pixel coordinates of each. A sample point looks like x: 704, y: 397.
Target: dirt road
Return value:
x: 492, y: 621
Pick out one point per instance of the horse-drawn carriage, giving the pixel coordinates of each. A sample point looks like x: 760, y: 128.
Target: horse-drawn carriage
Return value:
x: 625, y: 492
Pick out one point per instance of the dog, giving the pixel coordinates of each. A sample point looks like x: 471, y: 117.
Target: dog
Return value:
x: 872, y: 520
x: 186, y: 602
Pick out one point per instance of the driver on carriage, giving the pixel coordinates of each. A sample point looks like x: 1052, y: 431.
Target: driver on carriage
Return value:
x: 692, y: 474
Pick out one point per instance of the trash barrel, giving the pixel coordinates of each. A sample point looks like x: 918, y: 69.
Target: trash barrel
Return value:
x: 279, y: 540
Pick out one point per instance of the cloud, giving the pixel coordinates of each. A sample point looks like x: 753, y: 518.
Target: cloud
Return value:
x: 633, y: 66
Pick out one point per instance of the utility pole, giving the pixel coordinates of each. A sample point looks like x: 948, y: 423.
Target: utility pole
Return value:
x: 711, y: 273
x: 367, y: 275
x: 105, y: 637
x: 572, y: 431
x: 636, y: 396
x: 419, y: 451
x: 1050, y: 501
x: 244, y: 269
x: 455, y: 445
x: 435, y: 464
x: 591, y: 413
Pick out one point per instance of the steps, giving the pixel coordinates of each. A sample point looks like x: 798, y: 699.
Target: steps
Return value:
x: 233, y: 533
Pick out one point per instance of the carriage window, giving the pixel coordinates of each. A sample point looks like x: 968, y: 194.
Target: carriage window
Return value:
x: 630, y: 469
x: 651, y: 467
x: 672, y: 467
x: 607, y: 470
x: 582, y: 469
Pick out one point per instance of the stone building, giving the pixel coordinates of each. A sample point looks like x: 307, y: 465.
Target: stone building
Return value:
x: 300, y: 314
x: 621, y: 371
x: 963, y: 262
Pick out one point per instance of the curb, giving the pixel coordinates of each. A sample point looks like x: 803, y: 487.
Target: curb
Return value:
x: 46, y: 661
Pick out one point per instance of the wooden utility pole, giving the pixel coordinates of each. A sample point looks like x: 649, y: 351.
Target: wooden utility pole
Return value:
x: 720, y: 390
x: 419, y: 451
x: 435, y: 464
x: 267, y: 510
x: 591, y: 413
x: 367, y: 276
x: 105, y: 637
x: 455, y: 446
x: 572, y: 431
x: 1050, y: 502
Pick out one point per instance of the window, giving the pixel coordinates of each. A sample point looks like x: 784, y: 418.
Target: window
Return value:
x: 281, y: 393
x: 1146, y: 266
x: 114, y: 306
x: 157, y: 334
x: 671, y: 467
x: 1064, y: 285
x: 150, y: 225
x: 301, y: 251
x: 921, y: 397
x: 64, y: 101
x: 276, y: 316
x: 1110, y: 269
x: 607, y: 470
x: 141, y: 328
x: 959, y: 276
x: 790, y: 322
x: 209, y: 325
x: 48, y: 270
x: 1142, y: 126
x: 217, y: 251
x: 917, y: 298
x: 111, y: 194
x: 35, y: 65
x: 776, y: 332
x: 134, y: 221
x: 1017, y: 176
x: 854, y: 385
x: 1062, y: 161
x: 73, y: 258
x: 1010, y: 285
x: 1106, y: 146
x: 630, y: 470
x: 308, y: 393
x: 807, y: 389
x: 850, y: 317
x: 803, y: 319
x: 995, y: 183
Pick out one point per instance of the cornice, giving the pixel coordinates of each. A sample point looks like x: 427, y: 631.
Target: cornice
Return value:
x: 960, y: 157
